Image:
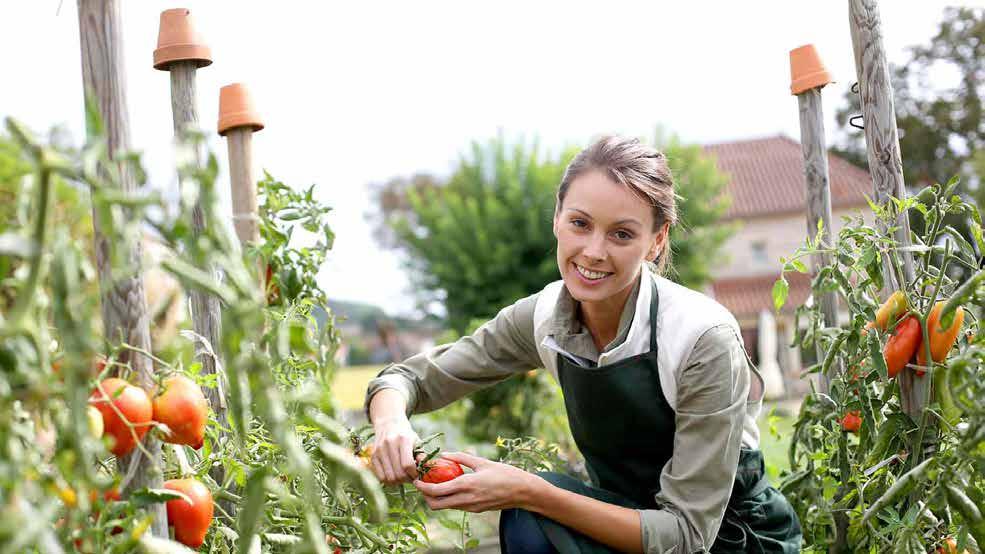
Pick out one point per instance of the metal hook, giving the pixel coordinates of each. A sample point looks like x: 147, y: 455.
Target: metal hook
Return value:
x: 851, y: 121
x: 855, y: 88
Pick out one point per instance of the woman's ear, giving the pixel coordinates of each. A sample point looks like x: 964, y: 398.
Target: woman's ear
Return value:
x: 659, y: 239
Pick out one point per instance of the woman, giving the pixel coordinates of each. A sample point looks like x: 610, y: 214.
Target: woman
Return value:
x: 660, y: 394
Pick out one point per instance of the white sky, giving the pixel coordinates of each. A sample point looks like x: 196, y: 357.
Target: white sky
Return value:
x: 357, y: 92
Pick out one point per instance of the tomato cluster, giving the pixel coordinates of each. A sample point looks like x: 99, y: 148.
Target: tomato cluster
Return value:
x: 124, y: 413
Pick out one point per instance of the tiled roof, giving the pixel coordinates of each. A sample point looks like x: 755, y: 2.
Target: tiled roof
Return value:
x: 747, y: 296
x: 767, y: 177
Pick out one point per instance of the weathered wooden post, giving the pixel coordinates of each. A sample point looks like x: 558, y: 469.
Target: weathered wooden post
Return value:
x: 181, y: 51
x: 807, y: 77
x: 882, y: 146
x: 238, y: 120
x: 124, y: 307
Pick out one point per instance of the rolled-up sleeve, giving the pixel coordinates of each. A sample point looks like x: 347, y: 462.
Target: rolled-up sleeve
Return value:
x: 697, y: 481
x: 436, y: 377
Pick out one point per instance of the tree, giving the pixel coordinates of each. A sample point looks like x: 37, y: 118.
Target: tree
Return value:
x: 941, y: 129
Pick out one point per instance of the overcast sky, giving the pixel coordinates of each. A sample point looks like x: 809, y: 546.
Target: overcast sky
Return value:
x: 357, y: 92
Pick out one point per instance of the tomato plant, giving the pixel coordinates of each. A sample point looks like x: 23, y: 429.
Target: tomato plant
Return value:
x: 904, y: 480
x: 288, y: 481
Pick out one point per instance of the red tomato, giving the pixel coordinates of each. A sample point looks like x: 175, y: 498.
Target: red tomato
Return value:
x: 190, y: 521
x: 132, y: 402
x: 851, y: 422
x: 440, y: 470
x: 902, y: 345
x: 183, y: 408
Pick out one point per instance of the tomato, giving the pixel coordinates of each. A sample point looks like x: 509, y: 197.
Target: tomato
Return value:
x: 190, y: 521
x: 366, y: 456
x: 851, y: 422
x: 950, y: 546
x: 902, y: 345
x: 132, y: 402
x: 941, y: 340
x: 887, y: 314
x: 183, y: 408
x: 273, y: 291
x: 440, y: 470
x: 95, y: 418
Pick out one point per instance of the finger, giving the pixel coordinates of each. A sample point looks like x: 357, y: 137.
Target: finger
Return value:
x: 455, y: 501
x: 467, y: 460
x: 378, y: 468
x: 454, y: 486
x: 389, y: 475
x: 407, y: 462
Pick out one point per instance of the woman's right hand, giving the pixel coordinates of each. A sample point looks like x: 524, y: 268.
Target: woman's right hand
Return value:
x: 393, y: 452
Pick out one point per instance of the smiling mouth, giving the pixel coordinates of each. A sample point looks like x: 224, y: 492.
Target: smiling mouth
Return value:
x: 589, y: 274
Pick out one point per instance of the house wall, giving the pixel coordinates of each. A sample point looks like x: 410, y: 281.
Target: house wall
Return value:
x: 780, y: 236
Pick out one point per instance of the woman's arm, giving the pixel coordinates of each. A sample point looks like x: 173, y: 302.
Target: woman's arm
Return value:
x: 500, y: 348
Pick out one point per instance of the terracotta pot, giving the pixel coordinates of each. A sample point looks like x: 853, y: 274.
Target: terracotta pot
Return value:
x: 806, y: 70
x: 177, y: 40
x: 236, y: 109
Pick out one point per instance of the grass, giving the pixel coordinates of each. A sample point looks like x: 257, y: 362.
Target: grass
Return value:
x: 774, y: 429
x: 350, y: 385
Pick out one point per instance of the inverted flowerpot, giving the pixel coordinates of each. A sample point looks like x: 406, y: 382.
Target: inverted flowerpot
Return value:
x: 178, y: 40
x: 236, y: 109
x: 806, y: 70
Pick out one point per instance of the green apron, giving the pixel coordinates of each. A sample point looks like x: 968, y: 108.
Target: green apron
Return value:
x: 609, y: 409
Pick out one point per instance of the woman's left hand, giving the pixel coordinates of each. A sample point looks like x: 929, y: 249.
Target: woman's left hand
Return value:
x: 491, y: 486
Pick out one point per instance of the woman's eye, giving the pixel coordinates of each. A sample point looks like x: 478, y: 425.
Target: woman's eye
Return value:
x: 623, y: 235
x: 579, y: 223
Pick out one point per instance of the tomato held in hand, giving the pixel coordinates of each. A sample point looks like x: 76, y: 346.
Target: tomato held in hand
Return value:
x: 440, y: 470
x: 190, y: 521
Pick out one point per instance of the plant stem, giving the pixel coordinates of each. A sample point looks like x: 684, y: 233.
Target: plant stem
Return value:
x: 27, y: 295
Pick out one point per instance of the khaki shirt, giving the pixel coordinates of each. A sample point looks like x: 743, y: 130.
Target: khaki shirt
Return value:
x: 712, y: 393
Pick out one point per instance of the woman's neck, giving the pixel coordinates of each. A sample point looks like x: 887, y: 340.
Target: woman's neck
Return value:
x: 602, y: 318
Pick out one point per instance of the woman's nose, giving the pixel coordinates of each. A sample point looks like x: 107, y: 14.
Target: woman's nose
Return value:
x: 595, y: 247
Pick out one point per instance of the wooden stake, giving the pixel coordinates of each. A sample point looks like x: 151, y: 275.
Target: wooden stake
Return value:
x: 124, y: 306
x: 882, y: 147
x: 181, y: 52
x: 818, y: 202
x: 242, y: 185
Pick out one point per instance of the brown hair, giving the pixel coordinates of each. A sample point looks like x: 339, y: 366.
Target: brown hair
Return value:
x: 641, y: 168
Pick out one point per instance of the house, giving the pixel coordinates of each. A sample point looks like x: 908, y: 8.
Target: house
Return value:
x: 768, y: 190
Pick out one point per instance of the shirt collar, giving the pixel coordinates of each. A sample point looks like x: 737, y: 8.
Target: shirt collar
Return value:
x: 571, y: 335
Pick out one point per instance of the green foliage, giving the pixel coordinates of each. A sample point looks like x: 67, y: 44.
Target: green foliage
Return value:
x: 886, y: 488
x: 288, y: 471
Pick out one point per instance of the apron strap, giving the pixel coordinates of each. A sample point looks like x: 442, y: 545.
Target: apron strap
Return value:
x: 654, y: 307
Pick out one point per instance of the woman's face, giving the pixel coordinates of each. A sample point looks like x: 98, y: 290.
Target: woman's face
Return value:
x: 604, y: 233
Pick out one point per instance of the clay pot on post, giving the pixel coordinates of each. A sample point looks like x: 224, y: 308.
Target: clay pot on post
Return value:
x: 806, y: 69
x: 178, y: 40
x: 238, y: 120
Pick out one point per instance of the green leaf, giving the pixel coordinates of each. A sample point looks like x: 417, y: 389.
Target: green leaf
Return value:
x: 252, y: 508
x: 146, y: 497
x: 780, y: 290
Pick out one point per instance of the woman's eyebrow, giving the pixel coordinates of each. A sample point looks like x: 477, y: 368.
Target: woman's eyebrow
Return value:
x: 620, y: 222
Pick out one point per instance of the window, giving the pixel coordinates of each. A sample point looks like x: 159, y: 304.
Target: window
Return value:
x: 759, y: 255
